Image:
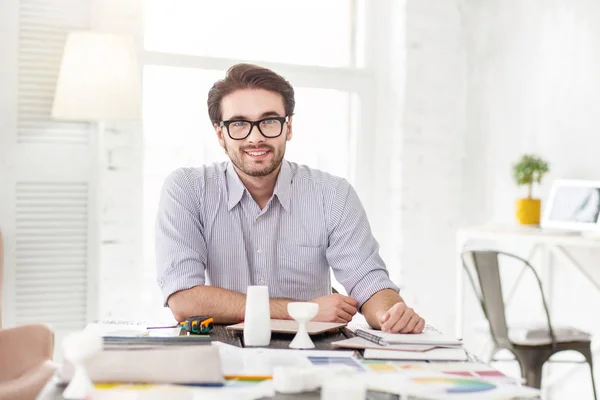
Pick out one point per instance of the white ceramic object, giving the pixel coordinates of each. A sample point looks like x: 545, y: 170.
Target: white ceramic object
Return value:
x: 257, y: 320
x: 78, y: 347
x: 302, y: 313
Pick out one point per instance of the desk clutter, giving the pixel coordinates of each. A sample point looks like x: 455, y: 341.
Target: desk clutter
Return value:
x: 125, y: 360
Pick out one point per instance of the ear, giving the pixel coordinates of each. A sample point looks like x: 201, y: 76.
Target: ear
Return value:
x: 288, y: 136
x: 219, y: 132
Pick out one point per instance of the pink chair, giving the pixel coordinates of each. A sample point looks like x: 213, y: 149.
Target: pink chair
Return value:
x: 25, y: 355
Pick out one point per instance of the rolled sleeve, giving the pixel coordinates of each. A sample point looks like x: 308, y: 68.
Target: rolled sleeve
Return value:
x: 180, y: 244
x: 353, y: 252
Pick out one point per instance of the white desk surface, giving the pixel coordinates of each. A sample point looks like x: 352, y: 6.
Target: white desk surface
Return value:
x: 529, y: 232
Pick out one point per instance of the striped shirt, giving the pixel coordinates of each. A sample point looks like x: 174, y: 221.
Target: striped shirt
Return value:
x: 210, y: 231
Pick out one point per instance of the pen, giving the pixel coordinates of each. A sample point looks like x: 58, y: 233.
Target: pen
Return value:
x: 370, y: 337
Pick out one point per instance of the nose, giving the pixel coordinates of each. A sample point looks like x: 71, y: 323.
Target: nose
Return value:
x: 255, y: 135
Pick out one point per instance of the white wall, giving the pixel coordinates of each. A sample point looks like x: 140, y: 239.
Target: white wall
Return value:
x: 432, y: 153
x: 486, y: 82
x: 534, y: 86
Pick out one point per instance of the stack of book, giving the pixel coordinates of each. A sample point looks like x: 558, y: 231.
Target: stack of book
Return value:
x: 429, y: 345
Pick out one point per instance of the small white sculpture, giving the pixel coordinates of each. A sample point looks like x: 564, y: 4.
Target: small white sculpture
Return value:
x: 302, y: 312
x: 79, y: 347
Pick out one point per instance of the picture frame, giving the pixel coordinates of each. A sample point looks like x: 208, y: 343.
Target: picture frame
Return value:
x: 573, y: 205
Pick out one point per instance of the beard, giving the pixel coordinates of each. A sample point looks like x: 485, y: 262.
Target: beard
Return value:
x: 256, y: 168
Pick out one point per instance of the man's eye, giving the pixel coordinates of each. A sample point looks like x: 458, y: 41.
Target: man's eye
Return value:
x: 238, y: 124
x: 270, y: 121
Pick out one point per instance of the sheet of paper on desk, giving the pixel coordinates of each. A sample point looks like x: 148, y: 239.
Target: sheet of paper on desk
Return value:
x: 465, y: 369
x: 431, y: 385
x: 130, y: 329
x: 231, y: 391
x: 259, y: 362
x: 437, y: 354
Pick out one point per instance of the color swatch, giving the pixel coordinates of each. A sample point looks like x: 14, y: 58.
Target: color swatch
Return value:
x: 455, y: 385
x: 349, y: 361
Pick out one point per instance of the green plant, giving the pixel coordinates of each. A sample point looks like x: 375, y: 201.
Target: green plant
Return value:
x: 528, y: 170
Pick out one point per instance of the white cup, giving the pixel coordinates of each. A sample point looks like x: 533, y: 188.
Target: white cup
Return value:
x: 257, y: 322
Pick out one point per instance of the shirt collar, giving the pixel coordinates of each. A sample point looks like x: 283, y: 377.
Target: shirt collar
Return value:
x: 283, y: 185
x: 235, y: 187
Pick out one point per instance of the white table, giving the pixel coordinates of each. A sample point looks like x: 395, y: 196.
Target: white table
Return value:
x: 551, y: 243
x: 548, y: 243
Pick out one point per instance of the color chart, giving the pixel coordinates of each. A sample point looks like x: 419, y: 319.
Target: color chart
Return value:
x: 452, y: 385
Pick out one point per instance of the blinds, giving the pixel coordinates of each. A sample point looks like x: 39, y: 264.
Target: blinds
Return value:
x: 43, y: 28
x: 51, y: 254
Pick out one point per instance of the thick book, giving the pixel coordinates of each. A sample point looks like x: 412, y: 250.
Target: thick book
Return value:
x: 199, y: 365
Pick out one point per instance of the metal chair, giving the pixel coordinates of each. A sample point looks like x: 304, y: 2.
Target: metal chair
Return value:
x: 534, y: 348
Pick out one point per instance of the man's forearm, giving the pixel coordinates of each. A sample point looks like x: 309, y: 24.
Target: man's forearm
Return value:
x: 380, y: 301
x: 225, y: 306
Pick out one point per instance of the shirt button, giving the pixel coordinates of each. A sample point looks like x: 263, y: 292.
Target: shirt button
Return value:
x: 257, y: 218
x: 262, y: 282
x: 259, y: 251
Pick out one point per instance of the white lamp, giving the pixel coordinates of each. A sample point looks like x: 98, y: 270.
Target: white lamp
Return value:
x: 99, y: 79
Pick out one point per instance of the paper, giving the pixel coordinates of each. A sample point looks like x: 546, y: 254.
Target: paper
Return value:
x: 259, y: 362
x: 430, y: 385
x: 233, y: 390
x: 131, y: 329
x: 360, y: 343
x: 289, y: 326
x: 426, y: 337
x: 438, y: 354
x: 465, y: 369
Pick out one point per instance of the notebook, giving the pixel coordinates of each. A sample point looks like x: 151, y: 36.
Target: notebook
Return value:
x: 427, y: 337
x: 290, y: 326
x: 360, y: 343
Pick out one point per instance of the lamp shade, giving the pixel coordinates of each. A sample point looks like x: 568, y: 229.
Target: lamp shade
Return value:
x: 99, y: 79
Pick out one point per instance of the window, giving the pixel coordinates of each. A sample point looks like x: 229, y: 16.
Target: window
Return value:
x: 318, y: 45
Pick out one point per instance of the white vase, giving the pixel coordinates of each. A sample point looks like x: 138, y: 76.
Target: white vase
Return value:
x: 257, y: 322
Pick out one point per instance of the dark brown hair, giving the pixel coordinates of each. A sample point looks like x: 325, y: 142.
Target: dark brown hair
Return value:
x: 248, y: 76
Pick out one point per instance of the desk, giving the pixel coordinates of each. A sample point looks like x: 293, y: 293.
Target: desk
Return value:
x: 550, y: 243
x: 53, y: 390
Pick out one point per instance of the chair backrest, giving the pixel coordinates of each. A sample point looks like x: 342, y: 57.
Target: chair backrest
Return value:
x: 487, y: 267
x: 1, y: 273
x: 486, y: 264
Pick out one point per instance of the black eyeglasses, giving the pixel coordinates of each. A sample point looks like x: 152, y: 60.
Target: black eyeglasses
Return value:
x: 239, y: 129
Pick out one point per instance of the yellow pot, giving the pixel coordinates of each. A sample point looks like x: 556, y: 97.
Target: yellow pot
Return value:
x: 528, y: 211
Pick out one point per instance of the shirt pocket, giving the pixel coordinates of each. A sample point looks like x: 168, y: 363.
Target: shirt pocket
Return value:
x: 303, y: 271
x: 293, y: 254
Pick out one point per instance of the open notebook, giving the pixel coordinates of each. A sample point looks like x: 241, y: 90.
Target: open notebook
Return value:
x: 289, y: 326
x: 427, y: 337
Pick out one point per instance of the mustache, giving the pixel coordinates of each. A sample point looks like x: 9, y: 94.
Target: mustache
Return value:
x: 264, y: 146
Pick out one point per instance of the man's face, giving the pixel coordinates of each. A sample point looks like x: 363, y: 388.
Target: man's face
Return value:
x: 255, y: 155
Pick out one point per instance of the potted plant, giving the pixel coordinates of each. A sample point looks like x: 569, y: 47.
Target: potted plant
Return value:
x: 528, y: 170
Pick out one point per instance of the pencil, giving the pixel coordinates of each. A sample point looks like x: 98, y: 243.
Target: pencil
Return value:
x: 248, y: 377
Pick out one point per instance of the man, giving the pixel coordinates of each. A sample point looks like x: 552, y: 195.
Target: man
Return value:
x: 261, y: 220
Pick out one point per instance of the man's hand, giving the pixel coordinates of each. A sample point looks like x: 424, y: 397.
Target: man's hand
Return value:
x: 335, y: 308
x: 400, y: 319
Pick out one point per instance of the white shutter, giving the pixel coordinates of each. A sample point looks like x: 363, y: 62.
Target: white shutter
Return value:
x: 47, y: 193
x: 51, y: 253
x: 43, y: 28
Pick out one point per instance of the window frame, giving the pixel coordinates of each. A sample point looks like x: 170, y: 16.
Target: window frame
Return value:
x: 380, y: 108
